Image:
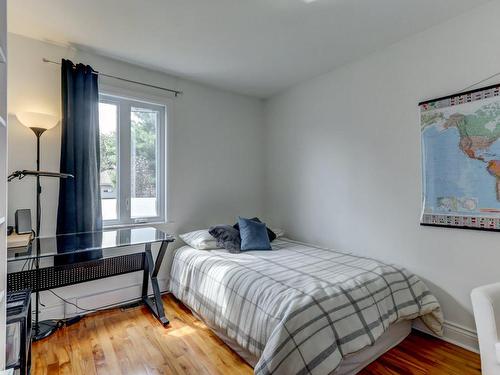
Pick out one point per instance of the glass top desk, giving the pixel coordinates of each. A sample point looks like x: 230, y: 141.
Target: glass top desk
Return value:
x: 53, y: 262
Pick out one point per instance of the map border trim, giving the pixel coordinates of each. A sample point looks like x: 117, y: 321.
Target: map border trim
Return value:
x: 461, y: 222
x: 457, y: 227
x: 459, y: 94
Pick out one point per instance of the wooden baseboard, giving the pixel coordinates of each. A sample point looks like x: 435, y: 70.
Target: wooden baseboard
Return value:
x: 455, y: 334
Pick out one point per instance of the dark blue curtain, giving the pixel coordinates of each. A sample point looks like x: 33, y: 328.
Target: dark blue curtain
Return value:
x: 79, y: 198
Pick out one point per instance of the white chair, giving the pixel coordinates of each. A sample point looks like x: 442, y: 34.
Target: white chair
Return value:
x: 486, y: 305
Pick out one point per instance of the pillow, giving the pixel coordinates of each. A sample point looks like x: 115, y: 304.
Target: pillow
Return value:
x: 253, y: 235
x: 270, y: 233
x: 227, y: 237
x: 200, y: 239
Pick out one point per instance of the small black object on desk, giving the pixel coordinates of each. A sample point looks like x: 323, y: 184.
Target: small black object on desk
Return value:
x: 23, y: 221
x: 68, y: 259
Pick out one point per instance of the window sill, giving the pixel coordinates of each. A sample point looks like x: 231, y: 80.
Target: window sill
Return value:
x: 133, y: 225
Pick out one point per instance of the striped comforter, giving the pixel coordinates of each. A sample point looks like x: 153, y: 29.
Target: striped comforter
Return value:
x: 299, y: 308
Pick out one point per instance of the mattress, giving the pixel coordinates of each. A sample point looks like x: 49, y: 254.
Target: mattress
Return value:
x: 300, y: 309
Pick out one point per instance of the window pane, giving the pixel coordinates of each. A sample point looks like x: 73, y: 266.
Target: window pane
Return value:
x: 108, y: 125
x: 144, y: 127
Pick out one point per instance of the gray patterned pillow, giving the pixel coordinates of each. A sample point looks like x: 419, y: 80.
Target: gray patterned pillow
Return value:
x: 227, y: 237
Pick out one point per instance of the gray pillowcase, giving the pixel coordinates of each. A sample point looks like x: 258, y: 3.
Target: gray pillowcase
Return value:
x: 227, y: 237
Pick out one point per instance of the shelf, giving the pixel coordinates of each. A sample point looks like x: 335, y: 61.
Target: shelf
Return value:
x: 18, y: 240
x: 3, y: 57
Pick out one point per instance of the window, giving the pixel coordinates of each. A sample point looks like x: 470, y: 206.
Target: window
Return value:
x: 132, y: 136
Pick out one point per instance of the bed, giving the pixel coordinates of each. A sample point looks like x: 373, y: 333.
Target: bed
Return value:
x: 302, y: 309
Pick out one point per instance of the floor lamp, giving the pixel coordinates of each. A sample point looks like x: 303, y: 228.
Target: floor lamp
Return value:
x: 38, y: 123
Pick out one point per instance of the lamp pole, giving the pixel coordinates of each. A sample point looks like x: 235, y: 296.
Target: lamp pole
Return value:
x: 38, y: 132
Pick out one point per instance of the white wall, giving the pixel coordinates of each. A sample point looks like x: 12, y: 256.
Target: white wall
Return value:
x: 215, y: 146
x: 206, y: 184
x: 343, y: 158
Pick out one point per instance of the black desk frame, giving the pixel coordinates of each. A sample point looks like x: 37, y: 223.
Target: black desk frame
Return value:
x: 151, y: 269
x: 40, y: 279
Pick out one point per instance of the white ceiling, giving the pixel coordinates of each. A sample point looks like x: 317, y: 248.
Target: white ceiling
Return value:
x: 255, y: 47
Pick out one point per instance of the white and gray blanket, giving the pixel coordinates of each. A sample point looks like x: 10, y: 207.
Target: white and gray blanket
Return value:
x: 299, y: 309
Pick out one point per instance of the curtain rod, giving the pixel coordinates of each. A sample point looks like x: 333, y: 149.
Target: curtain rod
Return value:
x: 175, y: 92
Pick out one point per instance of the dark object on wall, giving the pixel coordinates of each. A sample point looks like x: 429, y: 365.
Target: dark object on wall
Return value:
x: 79, y: 198
x: 23, y: 221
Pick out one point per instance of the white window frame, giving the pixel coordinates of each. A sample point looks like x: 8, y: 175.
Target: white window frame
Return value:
x: 125, y: 101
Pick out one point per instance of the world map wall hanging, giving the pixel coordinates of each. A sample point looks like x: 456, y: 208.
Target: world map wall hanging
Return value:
x: 461, y: 160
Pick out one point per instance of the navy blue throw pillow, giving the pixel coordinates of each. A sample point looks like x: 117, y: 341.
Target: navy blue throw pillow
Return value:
x: 270, y: 233
x: 253, y: 235
x: 227, y: 237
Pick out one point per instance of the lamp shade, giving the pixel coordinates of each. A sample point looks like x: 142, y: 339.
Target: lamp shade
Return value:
x: 37, y: 120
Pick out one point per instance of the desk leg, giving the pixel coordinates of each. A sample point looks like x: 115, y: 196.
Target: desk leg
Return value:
x: 145, y: 276
x: 151, y: 269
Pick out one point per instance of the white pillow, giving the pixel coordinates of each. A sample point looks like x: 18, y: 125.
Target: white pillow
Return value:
x: 200, y: 239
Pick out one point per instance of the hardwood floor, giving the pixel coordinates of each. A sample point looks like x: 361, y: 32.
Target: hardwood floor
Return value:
x: 421, y: 354
x: 132, y: 342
